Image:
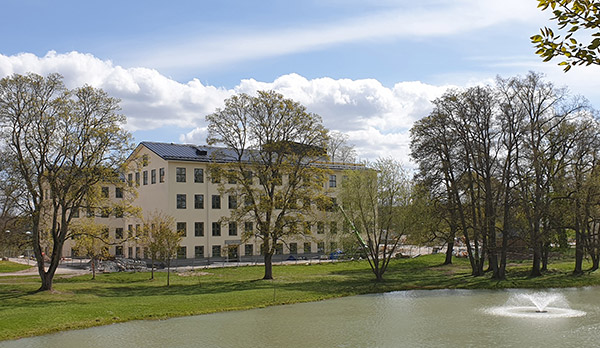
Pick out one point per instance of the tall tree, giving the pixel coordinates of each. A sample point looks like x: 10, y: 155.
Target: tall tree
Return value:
x: 276, y: 141
x: 571, y: 17
x: 63, y: 143
x: 376, y: 202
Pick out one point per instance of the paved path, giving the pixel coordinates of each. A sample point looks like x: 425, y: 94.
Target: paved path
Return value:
x: 33, y: 270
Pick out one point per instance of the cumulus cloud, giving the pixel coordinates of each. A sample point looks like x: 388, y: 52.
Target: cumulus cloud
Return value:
x: 376, y: 118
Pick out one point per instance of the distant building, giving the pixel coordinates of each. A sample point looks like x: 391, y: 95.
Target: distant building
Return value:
x: 174, y: 179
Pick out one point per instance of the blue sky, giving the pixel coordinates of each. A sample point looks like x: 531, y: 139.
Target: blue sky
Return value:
x: 369, y: 68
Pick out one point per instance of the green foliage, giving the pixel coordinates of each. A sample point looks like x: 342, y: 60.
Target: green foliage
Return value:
x: 274, y: 148
x: 570, y: 16
x: 60, y: 144
x: 160, y: 239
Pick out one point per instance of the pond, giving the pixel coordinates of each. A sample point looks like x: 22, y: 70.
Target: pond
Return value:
x: 440, y: 318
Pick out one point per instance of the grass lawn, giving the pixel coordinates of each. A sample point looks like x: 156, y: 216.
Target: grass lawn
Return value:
x: 79, y: 302
x: 9, y: 267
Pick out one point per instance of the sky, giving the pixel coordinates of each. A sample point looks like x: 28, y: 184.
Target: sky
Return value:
x: 370, y: 69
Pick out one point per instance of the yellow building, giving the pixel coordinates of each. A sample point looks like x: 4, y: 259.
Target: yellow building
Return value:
x: 174, y: 179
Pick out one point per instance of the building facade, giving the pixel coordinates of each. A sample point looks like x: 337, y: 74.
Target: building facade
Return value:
x: 174, y: 179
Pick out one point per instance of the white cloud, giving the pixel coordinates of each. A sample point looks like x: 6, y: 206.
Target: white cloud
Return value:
x: 377, y: 118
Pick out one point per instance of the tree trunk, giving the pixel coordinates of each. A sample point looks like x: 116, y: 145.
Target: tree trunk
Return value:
x: 168, y: 272
x: 268, y: 265
x: 578, y: 252
x: 537, y: 256
x: 152, y: 268
x: 93, y: 262
x: 449, y: 250
x: 545, y: 252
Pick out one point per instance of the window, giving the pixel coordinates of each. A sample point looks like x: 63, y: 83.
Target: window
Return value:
x: 293, y: 248
x: 119, y: 212
x: 199, y: 229
x: 199, y: 252
x: 105, y: 212
x: 153, y: 176
x: 248, y: 249
x: 248, y: 176
x: 137, y: 178
x: 233, y: 228
x: 216, y: 229
x: 307, y: 227
x: 232, y: 202
x: 145, y: 177
x: 130, y: 231
x: 216, y: 251
x: 248, y: 226
x: 130, y: 179
x: 332, y: 181
x: 216, y: 202
x: 180, y: 174
x: 320, y: 227
x: 118, y: 192
x: 75, y: 212
x: 307, y: 248
x: 137, y: 229
x: 119, y: 233
x: 161, y: 175
x: 321, y: 247
x: 214, y: 177
x: 130, y: 252
x: 105, y: 192
x: 232, y: 180
x: 198, y: 201
x: 118, y: 250
x: 279, y: 249
x: 182, y: 228
x: 333, y: 227
x: 181, y: 201
x: 181, y: 252
x: 144, y: 160
x: 198, y: 175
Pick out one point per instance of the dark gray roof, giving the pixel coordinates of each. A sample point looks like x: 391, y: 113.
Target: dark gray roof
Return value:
x: 185, y: 152
x: 205, y: 153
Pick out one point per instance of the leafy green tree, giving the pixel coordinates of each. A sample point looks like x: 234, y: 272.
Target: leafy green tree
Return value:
x: 161, y: 240
x: 274, y: 147
x: 571, y: 17
x: 61, y: 144
x: 91, y: 239
x: 376, y: 202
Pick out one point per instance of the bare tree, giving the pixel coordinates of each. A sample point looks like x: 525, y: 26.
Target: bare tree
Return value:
x: 376, y: 203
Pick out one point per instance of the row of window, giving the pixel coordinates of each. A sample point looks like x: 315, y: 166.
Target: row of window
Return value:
x: 217, y: 250
x: 181, y: 201
x: 161, y: 177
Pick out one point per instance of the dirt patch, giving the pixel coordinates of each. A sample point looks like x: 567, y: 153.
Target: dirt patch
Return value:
x: 193, y: 274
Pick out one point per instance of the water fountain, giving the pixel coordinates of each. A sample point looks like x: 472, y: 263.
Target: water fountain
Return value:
x: 537, y: 305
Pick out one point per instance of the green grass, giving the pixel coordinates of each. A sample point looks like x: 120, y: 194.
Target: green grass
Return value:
x: 8, y: 267
x: 79, y: 302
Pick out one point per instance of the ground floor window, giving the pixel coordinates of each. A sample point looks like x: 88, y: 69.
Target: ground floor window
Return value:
x: 199, y: 252
x: 182, y: 252
x: 248, y: 249
x: 307, y: 248
x: 293, y: 248
x: 321, y: 247
x: 216, y: 251
x: 279, y: 249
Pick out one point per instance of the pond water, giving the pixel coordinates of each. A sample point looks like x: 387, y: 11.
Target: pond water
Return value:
x: 440, y: 318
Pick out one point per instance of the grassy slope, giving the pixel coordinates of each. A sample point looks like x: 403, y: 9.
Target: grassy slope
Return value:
x: 79, y: 302
x: 8, y: 267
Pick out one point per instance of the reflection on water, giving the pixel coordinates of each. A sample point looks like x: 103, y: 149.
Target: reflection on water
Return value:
x: 441, y: 318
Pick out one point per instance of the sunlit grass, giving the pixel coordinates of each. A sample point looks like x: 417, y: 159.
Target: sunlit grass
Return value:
x: 81, y: 302
x: 8, y: 267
